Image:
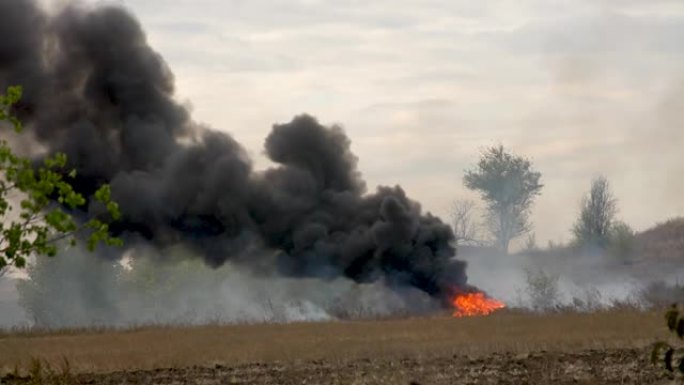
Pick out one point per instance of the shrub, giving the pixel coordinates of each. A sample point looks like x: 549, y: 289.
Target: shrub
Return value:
x: 671, y: 357
x: 622, y: 241
x: 542, y: 289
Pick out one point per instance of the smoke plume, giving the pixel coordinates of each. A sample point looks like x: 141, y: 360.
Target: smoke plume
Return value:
x: 95, y: 90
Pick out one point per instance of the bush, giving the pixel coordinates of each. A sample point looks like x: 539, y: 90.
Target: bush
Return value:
x: 660, y: 294
x: 542, y: 289
x: 622, y: 241
x: 671, y: 357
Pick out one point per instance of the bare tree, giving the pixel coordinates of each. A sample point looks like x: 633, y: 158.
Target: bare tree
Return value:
x: 542, y: 289
x: 531, y: 242
x: 596, y: 216
x: 508, y: 185
x: 463, y: 221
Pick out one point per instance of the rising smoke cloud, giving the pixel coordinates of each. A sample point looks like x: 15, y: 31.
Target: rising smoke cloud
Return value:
x: 96, y: 91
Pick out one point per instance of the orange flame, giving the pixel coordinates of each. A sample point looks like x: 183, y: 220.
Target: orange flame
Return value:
x: 473, y: 304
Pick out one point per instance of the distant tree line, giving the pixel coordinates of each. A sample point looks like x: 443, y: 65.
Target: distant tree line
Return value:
x: 508, y: 186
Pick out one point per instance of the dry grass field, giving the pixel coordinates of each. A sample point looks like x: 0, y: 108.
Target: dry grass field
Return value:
x: 506, y: 347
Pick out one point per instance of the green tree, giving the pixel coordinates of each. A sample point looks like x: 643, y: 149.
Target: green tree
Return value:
x: 35, y: 198
x: 593, y: 227
x: 508, y: 185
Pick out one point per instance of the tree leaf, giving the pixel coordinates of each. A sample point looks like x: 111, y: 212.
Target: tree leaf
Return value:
x: 39, y: 223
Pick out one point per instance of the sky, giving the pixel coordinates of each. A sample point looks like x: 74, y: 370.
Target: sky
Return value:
x: 581, y: 87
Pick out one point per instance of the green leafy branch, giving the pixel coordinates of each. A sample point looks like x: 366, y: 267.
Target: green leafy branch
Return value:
x: 34, y: 200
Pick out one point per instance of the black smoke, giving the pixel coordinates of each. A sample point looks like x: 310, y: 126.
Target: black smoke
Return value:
x: 96, y: 91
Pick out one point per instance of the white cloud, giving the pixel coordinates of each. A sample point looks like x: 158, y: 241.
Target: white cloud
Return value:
x: 582, y: 87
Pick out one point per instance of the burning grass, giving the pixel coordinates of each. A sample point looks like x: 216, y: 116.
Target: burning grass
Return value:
x: 475, y: 304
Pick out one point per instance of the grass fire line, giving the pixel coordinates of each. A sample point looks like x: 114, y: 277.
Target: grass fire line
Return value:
x: 475, y: 304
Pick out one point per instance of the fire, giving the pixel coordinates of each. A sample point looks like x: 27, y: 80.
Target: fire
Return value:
x: 472, y: 304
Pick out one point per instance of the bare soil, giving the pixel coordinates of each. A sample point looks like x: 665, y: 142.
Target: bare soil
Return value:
x: 617, y: 366
x: 505, y: 348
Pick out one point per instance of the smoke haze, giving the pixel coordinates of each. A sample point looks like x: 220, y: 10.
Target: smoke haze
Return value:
x: 582, y: 282
x: 185, y: 291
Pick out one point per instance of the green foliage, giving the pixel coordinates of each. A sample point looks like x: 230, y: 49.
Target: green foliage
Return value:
x: 622, y: 241
x: 508, y: 185
x: 32, y: 222
x: 593, y: 226
x: 670, y: 356
x: 596, y: 227
x: 12, y: 96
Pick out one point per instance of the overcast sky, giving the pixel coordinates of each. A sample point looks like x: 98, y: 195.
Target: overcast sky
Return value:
x: 583, y: 88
